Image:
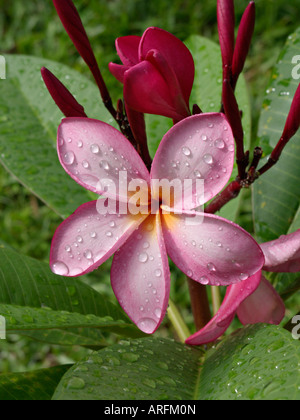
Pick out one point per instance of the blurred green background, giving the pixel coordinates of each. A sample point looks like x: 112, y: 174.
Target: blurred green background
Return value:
x: 32, y: 27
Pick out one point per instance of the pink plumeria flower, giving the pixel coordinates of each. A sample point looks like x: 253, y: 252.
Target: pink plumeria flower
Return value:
x: 158, y: 73
x: 207, y: 248
x: 255, y: 300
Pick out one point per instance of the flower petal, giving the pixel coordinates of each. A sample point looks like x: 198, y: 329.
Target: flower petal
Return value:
x: 140, y: 276
x: 175, y: 53
x: 95, y: 155
x: 198, y: 148
x: 263, y: 306
x: 235, y: 295
x: 283, y: 254
x: 86, y: 239
x: 210, y: 249
x: 128, y: 48
x: 118, y: 71
x: 146, y: 91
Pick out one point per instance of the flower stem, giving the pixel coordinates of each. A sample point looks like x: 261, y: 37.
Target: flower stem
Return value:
x: 216, y: 298
x: 200, y: 304
x: 178, y: 323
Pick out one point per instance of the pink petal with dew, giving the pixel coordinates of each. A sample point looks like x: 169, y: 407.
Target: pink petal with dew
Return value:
x: 263, y: 306
x: 140, y: 276
x: 198, y: 148
x: 175, y: 53
x: 87, y: 238
x: 146, y: 91
x: 97, y: 155
x: 235, y: 295
x: 128, y: 48
x: 118, y: 71
x: 283, y: 254
x: 210, y: 249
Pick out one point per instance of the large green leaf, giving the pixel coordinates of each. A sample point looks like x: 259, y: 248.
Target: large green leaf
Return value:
x: 59, y: 327
x: 38, y: 385
x: 206, y: 93
x: 258, y: 362
x: 28, y: 125
x: 30, y: 283
x: 276, y: 195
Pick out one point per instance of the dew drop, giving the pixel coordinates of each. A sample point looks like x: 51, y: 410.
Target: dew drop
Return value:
x: 157, y: 312
x: 231, y: 148
x: 197, y: 174
x: 112, y: 224
x: 204, y: 137
x: 186, y: 151
x: 204, y: 280
x: 93, y: 235
x: 143, y: 257
x: 109, y: 234
x: 95, y: 148
x: 104, y: 164
x: 88, y: 254
x: 158, y: 273
x: 69, y: 158
x: 147, y: 325
x: 60, y: 268
x: 219, y: 144
x: 79, y: 144
x: 208, y: 159
x: 85, y: 164
x: 76, y: 383
x: 146, y: 245
x: 68, y: 248
x: 79, y: 239
x: 244, y: 276
x: 211, y: 267
x: 189, y: 273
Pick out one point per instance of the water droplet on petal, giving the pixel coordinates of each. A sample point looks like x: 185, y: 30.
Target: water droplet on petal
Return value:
x: 231, y: 148
x: 143, y: 257
x: 85, y: 164
x: 79, y: 144
x: 204, y: 280
x: 79, y: 239
x: 69, y: 158
x: 208, y: 159
x: 186, y: 151
x: 219, y: 144
x: 88, y: 254
x: 109, y: 234
x: 158, y: 273
x: 147, y: 325
x: 105, y: 165
x: 68, y: 248
x: 204, y: 137
x: 211, y: 267
x: 95, y: 148
x: 157, y: 312
x: 93, y: 235
x: 197, y: 174
x: 244, y: 276
x: 60, y: 268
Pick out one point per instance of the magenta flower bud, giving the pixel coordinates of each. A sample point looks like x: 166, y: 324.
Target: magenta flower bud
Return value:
x: 72, y: 23
x: 243, y: 41
x: 62, y: 96
x: 293, y: 120
x: 226, y: 24
x: 157, y: 72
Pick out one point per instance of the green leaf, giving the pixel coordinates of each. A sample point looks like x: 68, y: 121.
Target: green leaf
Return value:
x: 30, y: 283
x: 276, y: 195
x: 257, y: 362
x: 207, y: 93
x: 59, y: 327
x: 38, y: 385
x: 28, y: 128
x: 150, y: 368
x: 260, y: 362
